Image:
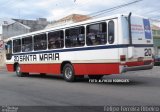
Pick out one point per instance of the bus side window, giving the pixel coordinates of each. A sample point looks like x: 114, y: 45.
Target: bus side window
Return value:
x: 27, y: 44
x: 17, y: 45
x: 55, y: 40
x: 111, y: 32
x: 75, y: 37
x: 40, y: 42
x: 97, y: 34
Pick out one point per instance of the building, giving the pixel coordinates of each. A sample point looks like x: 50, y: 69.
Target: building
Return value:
x: 73, y: 18
x: 12, y: 27
x: 9, y: 27
x: 35, y: 25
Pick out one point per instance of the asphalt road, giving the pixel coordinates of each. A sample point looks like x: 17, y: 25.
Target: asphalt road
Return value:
x: 137, y: 88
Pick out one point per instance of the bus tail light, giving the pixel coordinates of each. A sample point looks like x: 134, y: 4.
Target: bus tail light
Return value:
x: 122, y: 57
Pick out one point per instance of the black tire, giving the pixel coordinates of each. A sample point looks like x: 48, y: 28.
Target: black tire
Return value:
x: 19, y: 73
x: 26, y: 74
x: 80, y: 77
x: 42, y: 74
x: 68, y: 73
x: 95, y: 76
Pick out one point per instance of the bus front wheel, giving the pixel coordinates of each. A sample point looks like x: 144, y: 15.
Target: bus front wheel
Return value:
x: 68, y: 73
x: 19, y: 73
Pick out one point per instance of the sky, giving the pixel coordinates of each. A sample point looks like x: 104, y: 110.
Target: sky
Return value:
x: 56, y: 9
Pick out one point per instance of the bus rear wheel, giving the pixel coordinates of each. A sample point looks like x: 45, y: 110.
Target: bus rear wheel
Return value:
x: 68, y: 73
x: 95, y: 76
x: 19, y: 73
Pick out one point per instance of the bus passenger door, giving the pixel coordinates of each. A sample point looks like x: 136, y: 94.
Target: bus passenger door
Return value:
x: 112, y: 31
x: 112, y: 41
x: 8, y: 48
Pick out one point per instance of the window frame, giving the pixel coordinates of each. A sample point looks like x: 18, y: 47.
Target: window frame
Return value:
x: 80, y: 29
x: 32, y: 48
x: 102, y: 33
x: 18, y: 45
x: 61, y: 39
x: 108, y: 33
x: 34, y: 36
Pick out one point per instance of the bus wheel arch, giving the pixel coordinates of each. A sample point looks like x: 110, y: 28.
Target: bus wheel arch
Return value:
x: 68, y: 72
x: 15, y: 65
x: 17, y: 69
x: 63, y: 64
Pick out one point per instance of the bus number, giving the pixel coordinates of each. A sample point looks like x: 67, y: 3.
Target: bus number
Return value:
x: 148, y: 52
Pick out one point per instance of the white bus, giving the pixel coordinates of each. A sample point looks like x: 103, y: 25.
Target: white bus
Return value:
x: 96, y: 47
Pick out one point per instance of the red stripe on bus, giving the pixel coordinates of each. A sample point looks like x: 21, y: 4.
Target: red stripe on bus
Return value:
x: 140, y: 63
x: 41, y: 68
x: 10, y: 67
x: 37, y: 68
x: 95, y: 69
x: 80, y: 69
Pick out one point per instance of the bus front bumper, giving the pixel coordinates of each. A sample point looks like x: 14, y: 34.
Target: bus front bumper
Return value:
x: 136, y: 68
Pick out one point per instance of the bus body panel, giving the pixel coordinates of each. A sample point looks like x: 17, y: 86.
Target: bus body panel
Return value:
x: 84, y: 62
x: 80, y: 68
x: 140, y: 52
x: 114, y: 58
x: 97, y: 68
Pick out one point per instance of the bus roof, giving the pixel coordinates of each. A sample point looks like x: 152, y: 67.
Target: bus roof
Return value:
x: 71, y: 25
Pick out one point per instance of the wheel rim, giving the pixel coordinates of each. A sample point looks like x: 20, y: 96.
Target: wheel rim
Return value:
x: 68, y: 72
x: 18, y: 70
